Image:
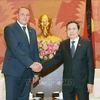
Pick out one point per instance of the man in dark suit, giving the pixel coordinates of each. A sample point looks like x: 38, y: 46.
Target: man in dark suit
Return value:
x: 21, y: 63
x: 77, y: 55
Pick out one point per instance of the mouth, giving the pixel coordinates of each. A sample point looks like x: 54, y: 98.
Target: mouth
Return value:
x: 71, y: 34
x: 24, y: 20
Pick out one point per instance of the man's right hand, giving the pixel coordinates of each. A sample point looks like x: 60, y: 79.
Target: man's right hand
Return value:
x: 36, y: 67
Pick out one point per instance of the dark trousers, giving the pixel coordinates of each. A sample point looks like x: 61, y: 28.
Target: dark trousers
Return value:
x: 70, y: 93
x: 18, y: 88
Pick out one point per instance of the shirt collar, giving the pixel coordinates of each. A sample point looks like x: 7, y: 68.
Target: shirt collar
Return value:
x: 21, y: 25
x: 75, y: 39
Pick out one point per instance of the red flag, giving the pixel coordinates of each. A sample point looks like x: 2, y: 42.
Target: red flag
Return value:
x: 89, y: 25
x: 85, y: 35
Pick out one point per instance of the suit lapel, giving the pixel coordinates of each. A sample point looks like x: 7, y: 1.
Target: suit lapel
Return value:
x: 78, y: 47
x: 68, y: 48
x: 21, y: 31
x: 32, y: 37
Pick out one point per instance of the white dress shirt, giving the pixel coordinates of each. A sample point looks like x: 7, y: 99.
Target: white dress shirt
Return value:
x: 27, y: 32
x: 75, y: 44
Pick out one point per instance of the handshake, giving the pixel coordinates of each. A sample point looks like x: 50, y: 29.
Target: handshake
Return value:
x: 36, y: 67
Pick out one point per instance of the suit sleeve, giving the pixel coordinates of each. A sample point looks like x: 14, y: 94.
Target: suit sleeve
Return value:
x: 12, y: 45
x: 36, y: 57
x: 90, y: 64
x: 55, y: 60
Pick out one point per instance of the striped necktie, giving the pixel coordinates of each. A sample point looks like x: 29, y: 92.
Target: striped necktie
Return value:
x: 73, y: 49
x: 24, y: 29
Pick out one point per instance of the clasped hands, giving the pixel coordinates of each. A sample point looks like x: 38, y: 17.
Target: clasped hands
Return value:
x: 36, y: 67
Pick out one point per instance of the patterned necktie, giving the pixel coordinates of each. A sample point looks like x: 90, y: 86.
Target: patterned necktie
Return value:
x: 73, y: 49
x: 24, y: 29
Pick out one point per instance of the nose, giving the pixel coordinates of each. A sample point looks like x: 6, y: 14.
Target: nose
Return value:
x: 71, y: 30
x: 25, y: 16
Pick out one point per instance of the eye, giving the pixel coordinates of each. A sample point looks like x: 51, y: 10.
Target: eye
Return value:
x: 27, y: 15
x: 74, y: 28
x: 69, y: 29
x: 22, y: 14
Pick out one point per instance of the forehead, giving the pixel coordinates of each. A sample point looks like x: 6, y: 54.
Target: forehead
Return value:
x: 24, y: 10
x: 72, y: 25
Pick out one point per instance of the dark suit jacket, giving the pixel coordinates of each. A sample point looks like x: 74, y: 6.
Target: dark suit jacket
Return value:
x: 78, y: 70
x: 19, y: 53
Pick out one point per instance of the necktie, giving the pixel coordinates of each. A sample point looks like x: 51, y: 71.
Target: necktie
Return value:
x: 73, y: 49
x: 24, y: 29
